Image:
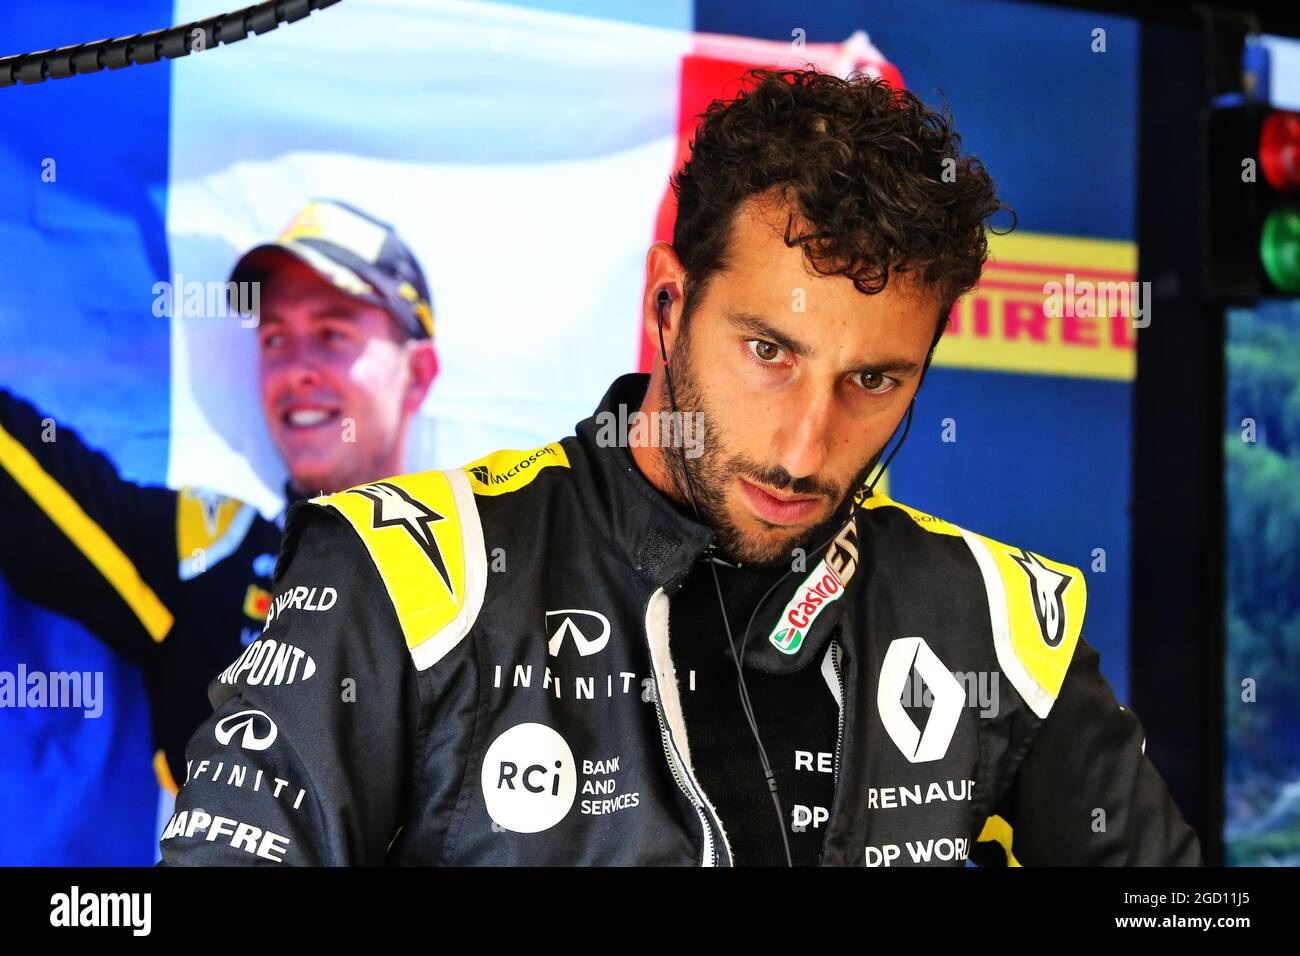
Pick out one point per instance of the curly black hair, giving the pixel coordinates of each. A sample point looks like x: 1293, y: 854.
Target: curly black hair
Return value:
x: 876, y: 177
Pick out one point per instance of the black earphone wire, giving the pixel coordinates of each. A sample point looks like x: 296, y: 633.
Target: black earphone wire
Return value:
x: 738, y: 658
x: 871, y: 486
x: 665, y: 299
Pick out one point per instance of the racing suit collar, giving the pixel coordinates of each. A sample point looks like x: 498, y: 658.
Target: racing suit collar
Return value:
x: 291, y: 497
x: 657, y: 538
x: 662, y: 542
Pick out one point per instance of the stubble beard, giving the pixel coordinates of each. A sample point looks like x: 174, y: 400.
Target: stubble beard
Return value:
x: 714, y: 469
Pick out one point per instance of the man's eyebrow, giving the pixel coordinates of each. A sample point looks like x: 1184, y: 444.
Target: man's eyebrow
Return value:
x: 336, y: 312
x: 900, y: 366
x: 756, y: 325
x: 331, y: 313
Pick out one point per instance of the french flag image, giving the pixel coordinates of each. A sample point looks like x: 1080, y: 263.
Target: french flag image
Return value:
x: 524, y: 155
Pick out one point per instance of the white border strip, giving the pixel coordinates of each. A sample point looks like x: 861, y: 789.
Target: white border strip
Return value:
x: 1034, y: 694
x: 435, y: 648
x: 656, y: 626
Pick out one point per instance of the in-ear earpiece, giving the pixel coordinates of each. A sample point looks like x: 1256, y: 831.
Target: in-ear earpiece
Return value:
x: 662, y: 299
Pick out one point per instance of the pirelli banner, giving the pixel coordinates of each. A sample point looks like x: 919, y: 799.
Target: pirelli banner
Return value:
x: 1024, y: 427
x: 1051, y: 305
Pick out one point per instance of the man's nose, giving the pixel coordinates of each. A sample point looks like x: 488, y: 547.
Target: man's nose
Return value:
x: 300, y: 363
x: 803, y: 442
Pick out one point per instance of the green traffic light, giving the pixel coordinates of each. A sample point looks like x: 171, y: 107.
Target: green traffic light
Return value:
x: 1279, y: 248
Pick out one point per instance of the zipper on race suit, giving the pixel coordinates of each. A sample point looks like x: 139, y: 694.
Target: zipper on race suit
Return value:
x: 839, y: 731
x: 710, y: 852
x: 680, y: 774
x: 834, y: 652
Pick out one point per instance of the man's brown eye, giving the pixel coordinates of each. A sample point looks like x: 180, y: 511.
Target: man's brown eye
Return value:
x: 876, y: 382
x: 766, y: 350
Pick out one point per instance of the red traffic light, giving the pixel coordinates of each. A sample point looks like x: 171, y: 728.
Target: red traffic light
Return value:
x: 1279, y: 150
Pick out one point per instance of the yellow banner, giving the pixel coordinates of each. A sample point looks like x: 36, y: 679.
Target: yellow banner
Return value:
x: 1051, y: 305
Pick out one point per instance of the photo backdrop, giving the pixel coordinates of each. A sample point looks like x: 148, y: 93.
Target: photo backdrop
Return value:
x: 523, y: 151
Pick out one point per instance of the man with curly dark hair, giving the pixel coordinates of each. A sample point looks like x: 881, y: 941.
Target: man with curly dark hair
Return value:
x: 802, y: 199
x: 539, y: 653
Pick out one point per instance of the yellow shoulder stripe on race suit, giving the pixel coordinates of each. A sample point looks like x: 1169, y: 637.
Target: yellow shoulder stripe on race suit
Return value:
x: 86, y: 535
x: 928, y: 522
x: 997, y: 830
x: 424, y: 536
x: 505, y: 471
x: 209, y: 527
x: 164, y: 773
x: 1036, y: 608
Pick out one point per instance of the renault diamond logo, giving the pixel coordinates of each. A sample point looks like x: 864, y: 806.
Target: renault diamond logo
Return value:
x: 947, y: 699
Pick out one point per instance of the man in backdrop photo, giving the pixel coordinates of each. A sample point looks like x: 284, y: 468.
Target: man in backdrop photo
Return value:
x: 608, y: 651
x: 178, y: 580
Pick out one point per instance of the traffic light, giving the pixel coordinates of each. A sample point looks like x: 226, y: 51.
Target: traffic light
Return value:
x: 1253, y: 173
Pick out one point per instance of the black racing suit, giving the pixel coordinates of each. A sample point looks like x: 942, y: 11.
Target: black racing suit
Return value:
x: 174, y: 581
x: 476, y: 667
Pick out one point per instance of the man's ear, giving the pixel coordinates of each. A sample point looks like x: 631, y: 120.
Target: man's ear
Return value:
x: 422, y: 360
x: 663, y: 272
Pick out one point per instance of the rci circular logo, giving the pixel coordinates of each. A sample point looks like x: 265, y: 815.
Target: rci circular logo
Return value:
x: 529, y: 778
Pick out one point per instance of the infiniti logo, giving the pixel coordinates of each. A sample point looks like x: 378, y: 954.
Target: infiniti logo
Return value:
x: 586, y: 646
x: 256, y: 730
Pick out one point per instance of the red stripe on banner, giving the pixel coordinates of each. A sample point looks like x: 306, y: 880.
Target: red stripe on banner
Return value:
x: 1062, y: 269
x: 706, y: 77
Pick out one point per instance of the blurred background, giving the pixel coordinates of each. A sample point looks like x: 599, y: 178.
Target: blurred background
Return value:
x: 522, y: 151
